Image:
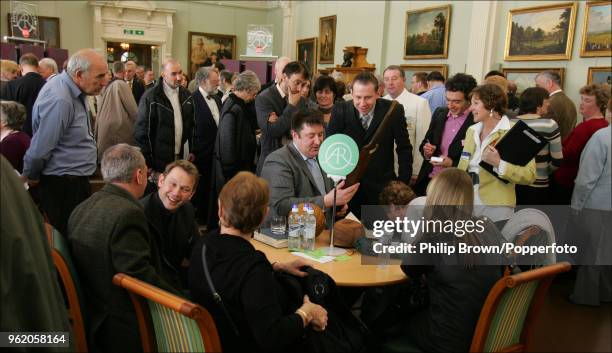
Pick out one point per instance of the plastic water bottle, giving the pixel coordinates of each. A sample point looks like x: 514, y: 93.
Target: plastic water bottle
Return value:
x: 293, y: 239
x: 310, y: 227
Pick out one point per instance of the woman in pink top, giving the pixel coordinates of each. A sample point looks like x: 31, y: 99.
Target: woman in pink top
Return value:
x: 13, y: 142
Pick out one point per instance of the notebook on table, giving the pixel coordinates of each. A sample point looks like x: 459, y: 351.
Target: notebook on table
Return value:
x: 266, y: 236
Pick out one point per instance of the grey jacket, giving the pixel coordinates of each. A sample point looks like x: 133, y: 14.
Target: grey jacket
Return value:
x: 593, y: 183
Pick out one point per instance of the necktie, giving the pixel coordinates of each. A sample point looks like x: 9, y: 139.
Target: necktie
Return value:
x: 313, y: 166
x: 130, y: 83
x: 365, y: 121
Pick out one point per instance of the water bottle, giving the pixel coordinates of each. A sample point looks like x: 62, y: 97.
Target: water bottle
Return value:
x: 310, y: 228
x: 293, y: 238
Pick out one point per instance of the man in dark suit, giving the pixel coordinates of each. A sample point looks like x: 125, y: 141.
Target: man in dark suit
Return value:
x: 276, y: 105
x: 294, y: 174
x: 561, y: 109
x: 136, y: 85
x: 207, y: 107
x: 108, y: 233
x: 446, y: 132
x: 359, y: 118
x: 25, y: 89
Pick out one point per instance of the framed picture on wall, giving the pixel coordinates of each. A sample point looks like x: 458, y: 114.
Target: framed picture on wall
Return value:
x: 306, y: 52
x: 410, y: 70
x: 206, y: 49
x: 327, y: 39
x: 44, y: 28
x: 426, y: 33
x: 541, y: 32
x: 596, y: 32
x: 525, y: 77
x: 600, y: 75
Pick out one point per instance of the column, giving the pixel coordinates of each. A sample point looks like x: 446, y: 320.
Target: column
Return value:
x: 288, y: 48
x: 482, y: 38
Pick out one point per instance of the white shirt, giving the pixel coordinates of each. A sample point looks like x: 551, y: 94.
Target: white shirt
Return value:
x: 418, y: 118
x: 212, y: 105
x: 554, y: 92
x: 173, y: 97
x: 282, y: 94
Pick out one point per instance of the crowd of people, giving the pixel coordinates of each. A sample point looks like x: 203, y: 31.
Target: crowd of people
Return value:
x: 225, y: 152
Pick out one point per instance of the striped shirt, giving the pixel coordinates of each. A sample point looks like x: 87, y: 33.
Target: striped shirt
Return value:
x: 551, y: 155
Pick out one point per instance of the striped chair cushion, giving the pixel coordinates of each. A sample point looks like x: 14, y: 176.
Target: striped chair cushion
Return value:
x: 174, y: 332
x: 509, y: 317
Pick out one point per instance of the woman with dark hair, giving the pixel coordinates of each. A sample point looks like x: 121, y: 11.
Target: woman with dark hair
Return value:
x: 593, y: 101
x: 325, y: 90
x: 13, y: 142
x: 244, y: 278
x: 533, y: 105
x: 494, y: 198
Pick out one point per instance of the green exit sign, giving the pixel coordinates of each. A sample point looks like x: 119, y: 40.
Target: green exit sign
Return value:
x: 136, y: 32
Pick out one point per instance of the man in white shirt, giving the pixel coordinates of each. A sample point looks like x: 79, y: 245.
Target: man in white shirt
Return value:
x: 416, y: 110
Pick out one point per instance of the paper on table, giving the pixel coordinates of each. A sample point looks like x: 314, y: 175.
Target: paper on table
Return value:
x: 322, y: 259
x: 352, y: 217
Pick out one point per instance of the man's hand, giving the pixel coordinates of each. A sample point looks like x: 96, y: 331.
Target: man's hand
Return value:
x: 413, y: 180
x: 32, y: 183
x: 428, y: 150
x: 272, y: 118
x: 293, y: 267
x: 293, y: 98
x: 191, y: 157
x: 343, y: 196
x: 342, y: 211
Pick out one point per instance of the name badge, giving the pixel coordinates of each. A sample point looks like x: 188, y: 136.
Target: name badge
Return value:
x: 466, y: 155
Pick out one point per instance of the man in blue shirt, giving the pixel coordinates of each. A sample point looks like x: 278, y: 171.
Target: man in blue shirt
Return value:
x: 63, y: 153
x: 436, y: 95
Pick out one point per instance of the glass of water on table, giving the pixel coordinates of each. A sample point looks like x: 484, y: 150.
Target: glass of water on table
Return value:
x: 278, y: 224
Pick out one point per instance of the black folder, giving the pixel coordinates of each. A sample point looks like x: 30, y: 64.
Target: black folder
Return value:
x: 518, y: 146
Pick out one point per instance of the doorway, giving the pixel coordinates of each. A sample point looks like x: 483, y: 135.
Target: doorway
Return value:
x: 146, y: 55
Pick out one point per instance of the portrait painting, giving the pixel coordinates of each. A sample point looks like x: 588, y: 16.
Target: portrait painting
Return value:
x: 410, y: 70
x: 600, y: 75
x: 426, y: 33
x: 306, y: 52
x: 597, y: 29
x: 540, y: 33
x: 525, y: 77
x: 205, y: 49
x: 327, y: 39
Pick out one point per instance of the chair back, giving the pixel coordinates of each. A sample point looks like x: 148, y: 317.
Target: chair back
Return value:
x: 71, y: 285
x: 511, y: 308
x: 516, y: 230
x: 169, y: 323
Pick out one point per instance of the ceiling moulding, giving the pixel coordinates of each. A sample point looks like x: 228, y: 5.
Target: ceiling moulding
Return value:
x: 133, y: 5
x: 256, y: 5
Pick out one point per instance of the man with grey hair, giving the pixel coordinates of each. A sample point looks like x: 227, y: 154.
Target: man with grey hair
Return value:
x: 207, y: 107
x: 108, y: 233
x: 561, y: 108
x: 165, y: 120
x: 135, y: 84
x: 47, y: 68
x: 62, y: 154
x: 117, y: 112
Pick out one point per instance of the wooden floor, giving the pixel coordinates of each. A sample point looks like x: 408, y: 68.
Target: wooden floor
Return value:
x: 566, y: 327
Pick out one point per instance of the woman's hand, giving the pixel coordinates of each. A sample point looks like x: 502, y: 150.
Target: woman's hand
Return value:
x: 293, y: 267
x: 316, y: 314
x: 491, y: 156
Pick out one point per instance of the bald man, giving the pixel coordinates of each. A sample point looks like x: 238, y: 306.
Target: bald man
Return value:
x: 279, y: 66
x: 136, y: 85
x: 165, y: 120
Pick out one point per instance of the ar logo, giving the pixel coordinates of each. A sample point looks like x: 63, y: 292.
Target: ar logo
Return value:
x: 339, y: 156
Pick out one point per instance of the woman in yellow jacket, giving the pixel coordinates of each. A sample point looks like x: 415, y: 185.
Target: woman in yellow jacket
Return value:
x: 492, y: 197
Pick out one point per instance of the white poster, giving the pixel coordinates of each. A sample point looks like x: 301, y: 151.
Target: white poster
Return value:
x: 259, y: 40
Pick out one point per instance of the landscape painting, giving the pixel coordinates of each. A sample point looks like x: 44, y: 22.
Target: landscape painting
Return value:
x: 427, y: 31
x: 597, y: 30
x: 541, y: 33
x: 600, y: 75
x: 525, y: 78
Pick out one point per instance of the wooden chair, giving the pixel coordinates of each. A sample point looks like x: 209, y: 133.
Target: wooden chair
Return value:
x: 70, y: 282
x: 507, y: 315
x: 168, y: 323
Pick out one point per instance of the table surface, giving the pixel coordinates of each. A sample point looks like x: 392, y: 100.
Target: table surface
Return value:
x: 347, y: 273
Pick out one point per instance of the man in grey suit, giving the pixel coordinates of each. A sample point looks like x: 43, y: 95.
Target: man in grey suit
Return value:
x: 294, y: 174
x: 276, y: 105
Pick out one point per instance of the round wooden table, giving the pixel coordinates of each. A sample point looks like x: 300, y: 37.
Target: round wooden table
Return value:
x: 347, y: 273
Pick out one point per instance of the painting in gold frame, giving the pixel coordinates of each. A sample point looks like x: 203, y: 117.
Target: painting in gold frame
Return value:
x: 306, y: 53
x: 207, y: 48
x: 409, y: 70
x: 600, y: 75
x: 426, y: 33
x: 525, y: 77
x: 541, y: 32
x: 596, y: 31
x: 327, y: 39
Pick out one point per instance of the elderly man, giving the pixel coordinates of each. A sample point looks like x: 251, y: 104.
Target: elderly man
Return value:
x: 416, y: 110
x: 561, y: 108
x: 294, y: 174
x: 136, y: 85
x: 207, y: 106
x: 360, y: 119
x: 47, y: 68
x: 62, y: 154
x: 25, y: 89
x: 108, y: 233
x: 172, y: 217
x: 279, y: 66
x: 165, y: 120
x: 117, y: 112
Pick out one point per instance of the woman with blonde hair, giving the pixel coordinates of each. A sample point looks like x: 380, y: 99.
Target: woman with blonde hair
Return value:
x: 9, y: 70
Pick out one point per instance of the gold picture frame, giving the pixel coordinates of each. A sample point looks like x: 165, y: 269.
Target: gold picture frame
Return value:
x: 327, y: 39
x: 525, y: 77
x: 589, y: 48
x: 433, y: 48
x: 520, y: 46
x: 306, y: 53
x: 593, y: 76
x: 222, y: 45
